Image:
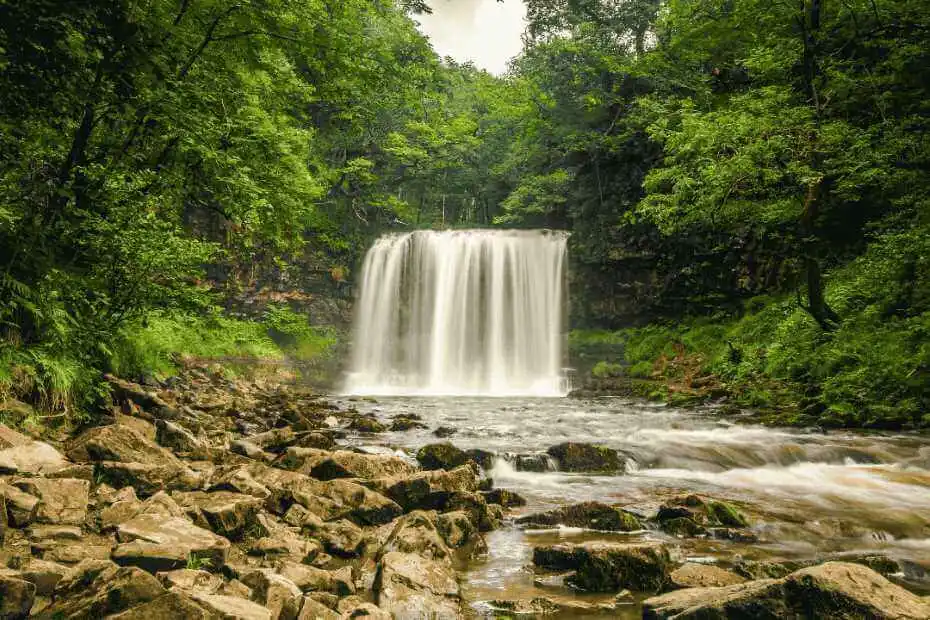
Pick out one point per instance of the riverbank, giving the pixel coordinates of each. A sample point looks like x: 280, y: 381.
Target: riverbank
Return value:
x: 215, y: 496
x: 871, y: 372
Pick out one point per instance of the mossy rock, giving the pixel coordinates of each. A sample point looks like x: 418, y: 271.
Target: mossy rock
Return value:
x: 725, y: 514
x: 367, y: 424
x: 441, y: 456
x: 589, y: 515
x: 585, y: 457
x: 682, y: 526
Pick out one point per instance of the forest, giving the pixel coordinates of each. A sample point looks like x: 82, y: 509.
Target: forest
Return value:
x: 745, y: 183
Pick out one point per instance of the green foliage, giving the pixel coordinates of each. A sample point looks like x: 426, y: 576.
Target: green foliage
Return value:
x: 603, y: 370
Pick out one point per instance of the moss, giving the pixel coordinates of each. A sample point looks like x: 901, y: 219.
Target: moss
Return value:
x: 441, y: 456
x: 725, y: 514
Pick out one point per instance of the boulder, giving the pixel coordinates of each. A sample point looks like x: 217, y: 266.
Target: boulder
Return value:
x: 246, y: 448
x: 342, y: 539
x: 313, y: 579
x: 504, y: 497
x: 177, y: 438
x: 417, y: 533
x: 179, y: 533
x: 411, y: 586
x: 693, y: 515
x: 693, y: 575
x: 62, y: 500
x: 609, y: 567
x: 10, y: 438
x: 456, y: 528
x: 231, y: 607
x: 483, y: 458
x: 585, y: 457
x: 427, y: 489
x: 125, y: 392
x: 276, y: 440
x: 366, y: 424
x: 171, y: 605
x: 277, y: 593
x: 20, y: 506
x: 148, y: 479
x: 35, y: 458
x: 98, y: 588
x: 324, y: 465
x: 403, y: 423
x: 228, y: 514
x: 831, y: 591
x: 190, y: 580
x: 74, y: 553
x: 312, y: 610
x: 16, y: 597
x: 441, y: 456
x: 44, y: 575
x: 119, y: 443
x: 150, y: 557
x: 355, y: 607
x: 589, y: 515
x: 536, y: 462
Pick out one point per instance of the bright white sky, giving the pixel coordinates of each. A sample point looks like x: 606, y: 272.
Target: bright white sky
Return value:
x: 484, y: 31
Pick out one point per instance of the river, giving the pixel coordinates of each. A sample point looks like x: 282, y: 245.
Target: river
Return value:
x: 809, y: 494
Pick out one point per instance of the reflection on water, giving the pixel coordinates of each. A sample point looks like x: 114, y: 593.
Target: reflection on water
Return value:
x: 810, y: 494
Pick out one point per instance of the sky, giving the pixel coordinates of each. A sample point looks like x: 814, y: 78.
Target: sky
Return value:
x: 486, y: 32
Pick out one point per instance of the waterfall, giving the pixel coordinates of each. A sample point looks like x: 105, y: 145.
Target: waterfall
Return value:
x: 464, y: 312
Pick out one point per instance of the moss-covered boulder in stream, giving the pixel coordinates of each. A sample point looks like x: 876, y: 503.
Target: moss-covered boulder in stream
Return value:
x: 692, y: 515
x: 589, y: 515
x: 586, y: 457
x: 441, y: 456
x: 609, y: 567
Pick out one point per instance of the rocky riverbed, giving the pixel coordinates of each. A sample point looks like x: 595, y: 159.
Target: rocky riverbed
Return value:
x: 215, y: 498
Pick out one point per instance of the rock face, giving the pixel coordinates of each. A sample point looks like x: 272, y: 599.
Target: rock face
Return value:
x: 590, y: 515
x: 585, y: 457
x: 410, y: 586
x: 609, y: 567
x: 831, y: 591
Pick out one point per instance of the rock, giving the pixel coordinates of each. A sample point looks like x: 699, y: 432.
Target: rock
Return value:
x: 171, y: 605
x: 10, y: 438
x: 62, y: 500
x: 228, y: 514
x: 590, y: 515
x: 232, y: 607
x: 247, y: 449
x: 538, y: 462
x: 541, y: 606
x: 312, y: 610
x: 176, y: 437
x: 150, y: 557
x: 323, y: 440
x: 124, y: 508
x: 179, y: 533
x: 43, y: 575
x: 313, y: 579
x: 410, y: 586
x: 354, y: 607
x: 766, y: 569
x: 343, y: 539
x: 190, y: 580
x: 504, y: 497
x: 126, y: 392
x: 75, y: 553
x: 148, y: 479
x: 367, y: 424
x: 324, y: 465
x: 401, y: 423
x: 276, y: 440
x: 118, y: 443
x: 441, y: 456
x: 41, y: 534
x: 97, y: 588
x: 20, y: 507
x: 692, y: 575
x: 456, y: 528
x: 277, y: 593
x: 692, y: 515
x: 609, y: 567
x: 585, y: 457
x: 417, y: 533
x: 831, y: 591
x: 35, y: 458
x: 427, y: 489
x: 483, y: 458
x: 444, y: 431
x: 16, y: 597
x: 484, y: 516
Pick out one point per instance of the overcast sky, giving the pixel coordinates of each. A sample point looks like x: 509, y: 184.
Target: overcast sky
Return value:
x: 484, y: 31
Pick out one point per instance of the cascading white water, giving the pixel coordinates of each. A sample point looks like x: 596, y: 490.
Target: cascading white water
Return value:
x: 466, y: 312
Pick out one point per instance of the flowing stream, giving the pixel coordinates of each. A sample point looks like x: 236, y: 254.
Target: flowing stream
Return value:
x: 810, y: 495
x: 476, y: 312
